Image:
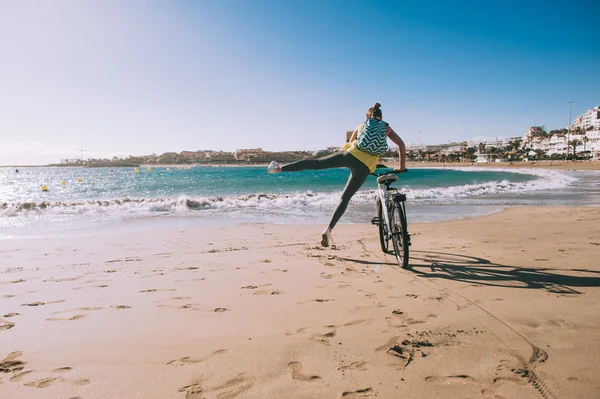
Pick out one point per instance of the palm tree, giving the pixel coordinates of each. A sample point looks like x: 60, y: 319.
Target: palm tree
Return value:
x: 574, y: 143
x: 585, y: 140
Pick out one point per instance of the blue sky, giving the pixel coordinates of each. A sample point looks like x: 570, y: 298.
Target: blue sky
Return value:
x: 138, y: 77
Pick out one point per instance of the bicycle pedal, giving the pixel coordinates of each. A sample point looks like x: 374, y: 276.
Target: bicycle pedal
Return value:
x: 376, y: 220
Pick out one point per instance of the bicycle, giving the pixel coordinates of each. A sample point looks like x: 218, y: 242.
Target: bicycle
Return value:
x: 391, y: 217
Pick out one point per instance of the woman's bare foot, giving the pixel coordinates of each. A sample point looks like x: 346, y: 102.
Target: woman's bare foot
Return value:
x: 326, y: 240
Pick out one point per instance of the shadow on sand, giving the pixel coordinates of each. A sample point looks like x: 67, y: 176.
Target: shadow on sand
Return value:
x: 474, y: 270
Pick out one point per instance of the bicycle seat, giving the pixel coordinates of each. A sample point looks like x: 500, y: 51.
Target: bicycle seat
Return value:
x: 384, y: 178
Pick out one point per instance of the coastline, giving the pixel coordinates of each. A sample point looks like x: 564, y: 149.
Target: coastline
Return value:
x: 557, y: 165
x: 261, y: 311
x: 544, y: 164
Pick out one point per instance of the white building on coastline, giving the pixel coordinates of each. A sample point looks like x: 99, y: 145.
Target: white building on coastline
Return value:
x: 557, y: 145
x: 593, y: 143
x: 498, y: 142
x: 589, y: 120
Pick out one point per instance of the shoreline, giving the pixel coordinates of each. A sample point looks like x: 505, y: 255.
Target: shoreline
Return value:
x: 544, y: 164
x: 558, y: 165
x: 263, y: 311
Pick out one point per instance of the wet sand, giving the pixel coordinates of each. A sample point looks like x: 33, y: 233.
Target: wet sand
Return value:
x: 500, y: 306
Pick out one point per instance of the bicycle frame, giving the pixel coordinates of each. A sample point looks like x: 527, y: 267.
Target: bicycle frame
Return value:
x: 382, y: 190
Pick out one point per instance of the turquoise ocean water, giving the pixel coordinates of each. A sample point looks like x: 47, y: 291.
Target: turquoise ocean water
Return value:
x: 105, y: 198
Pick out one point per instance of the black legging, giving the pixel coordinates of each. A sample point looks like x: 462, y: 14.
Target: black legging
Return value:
x: 358, y: 174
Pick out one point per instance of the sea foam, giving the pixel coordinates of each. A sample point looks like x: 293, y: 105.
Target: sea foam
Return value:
x: 183, y: 204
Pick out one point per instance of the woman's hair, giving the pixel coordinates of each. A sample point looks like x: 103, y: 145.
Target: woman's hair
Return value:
x: 374, y: 112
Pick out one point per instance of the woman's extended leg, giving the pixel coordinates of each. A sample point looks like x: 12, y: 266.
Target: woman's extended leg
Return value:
x: 335, y: 160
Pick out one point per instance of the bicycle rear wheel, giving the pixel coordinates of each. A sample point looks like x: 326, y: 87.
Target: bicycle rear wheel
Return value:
x: 383, y: 236
x: 399, y: 234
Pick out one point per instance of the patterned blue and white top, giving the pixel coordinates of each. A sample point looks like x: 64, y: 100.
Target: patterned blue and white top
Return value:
x: 373, y: 137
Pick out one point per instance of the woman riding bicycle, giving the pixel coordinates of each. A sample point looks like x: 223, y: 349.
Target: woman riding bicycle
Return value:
x: 360, y: 155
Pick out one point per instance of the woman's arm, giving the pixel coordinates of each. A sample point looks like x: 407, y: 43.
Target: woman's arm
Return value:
x: 401, y: 150
x: 355, y: 133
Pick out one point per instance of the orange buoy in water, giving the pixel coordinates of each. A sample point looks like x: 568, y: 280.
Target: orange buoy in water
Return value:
x: 44, y: 188
x: 64, y: 183
x: 79, y: 179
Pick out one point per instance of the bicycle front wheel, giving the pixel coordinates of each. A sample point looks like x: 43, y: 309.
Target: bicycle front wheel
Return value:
x: 399, y: 234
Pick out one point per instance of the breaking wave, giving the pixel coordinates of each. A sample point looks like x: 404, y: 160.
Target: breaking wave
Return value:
x: 280, y: 202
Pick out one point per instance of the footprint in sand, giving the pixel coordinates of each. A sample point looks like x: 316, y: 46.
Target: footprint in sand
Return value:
x: 129, y: 259
x: 323, y: 338
x: 406, y: 350
x: 156, y: 289
x: 188, y: 268
x: 301, y: 330
x: 366, y: 308
x: 359, y: 366
x: 318, y: 300
x: 61, y: 280
x: 368, y: 294
x: 188, y: 360
x: 359, y: 393
x: 43, y: 383
x: 189, y: 306
x: 299, y: 376
x: 120, y: 307
x: 62, y: 370
x: 76, y: 317
x: 268, y: 292
x: 14, y: 282
x: 228, y: 390
x: 390, y: 322
x: 450, y: 380
x: 10, y: 364
x: 42, y: 303
x: 6, y: 325
x: 191, y: 279
x: 19, y: 376
x: 84, y: 309
x: 46, y: 382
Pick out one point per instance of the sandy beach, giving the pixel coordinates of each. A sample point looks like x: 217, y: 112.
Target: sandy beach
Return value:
x: 500, y: 306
